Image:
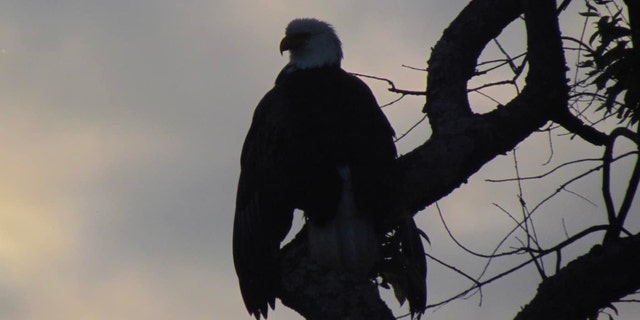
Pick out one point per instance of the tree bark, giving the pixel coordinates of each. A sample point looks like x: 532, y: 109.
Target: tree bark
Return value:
x: 319, y: 293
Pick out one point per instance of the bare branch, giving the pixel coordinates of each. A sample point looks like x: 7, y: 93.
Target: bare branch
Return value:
x: 414, y: 68
x: 561, y: 166
x: 491, y: 84
x: 617, y: 221
x: 392, y: 85
x: 463, y: 247
x: 411, y: 129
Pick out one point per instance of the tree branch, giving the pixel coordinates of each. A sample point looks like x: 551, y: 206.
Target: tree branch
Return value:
x: 454, y: 58
x: 576, y: 126
x: 588, y: 284
x: 463, y: 142
x: 617, y: 220
x: 319, y: 293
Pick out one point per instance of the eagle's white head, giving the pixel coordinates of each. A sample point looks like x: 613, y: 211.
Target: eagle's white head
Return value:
x: 311, y: 43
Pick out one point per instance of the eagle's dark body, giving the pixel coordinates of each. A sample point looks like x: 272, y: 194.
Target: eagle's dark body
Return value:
x: 318, y: 142
x: 312, y: 123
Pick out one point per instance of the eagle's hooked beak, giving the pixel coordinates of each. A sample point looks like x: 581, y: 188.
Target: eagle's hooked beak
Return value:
x: 293, y: 42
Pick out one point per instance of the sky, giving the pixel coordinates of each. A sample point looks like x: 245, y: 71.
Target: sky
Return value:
x: 121, y: 129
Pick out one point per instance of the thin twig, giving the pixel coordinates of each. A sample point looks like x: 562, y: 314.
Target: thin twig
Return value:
x: 393, y: 101
x: 411, y: 129
x: 463, y: 247
x: 551, y: 152
x: 561, y: 166
x: 526, y: 217
x: 541, y: 253
x: 392, y: 85
x: 617, y: 221
x: 487, y: 96
x: 492, y: 84
x: 414, y: 68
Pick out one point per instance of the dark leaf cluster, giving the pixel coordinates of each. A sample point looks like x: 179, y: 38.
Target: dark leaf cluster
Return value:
x: 611, y: 63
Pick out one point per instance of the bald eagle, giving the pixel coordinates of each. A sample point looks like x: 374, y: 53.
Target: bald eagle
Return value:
x: 318, y: 142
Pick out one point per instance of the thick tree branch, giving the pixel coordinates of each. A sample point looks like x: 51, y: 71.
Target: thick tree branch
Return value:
x: 588, y: 284
x: 454, y: 58
x: 319, y: 293
x: 633, y: 10
x: 463, y: 142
